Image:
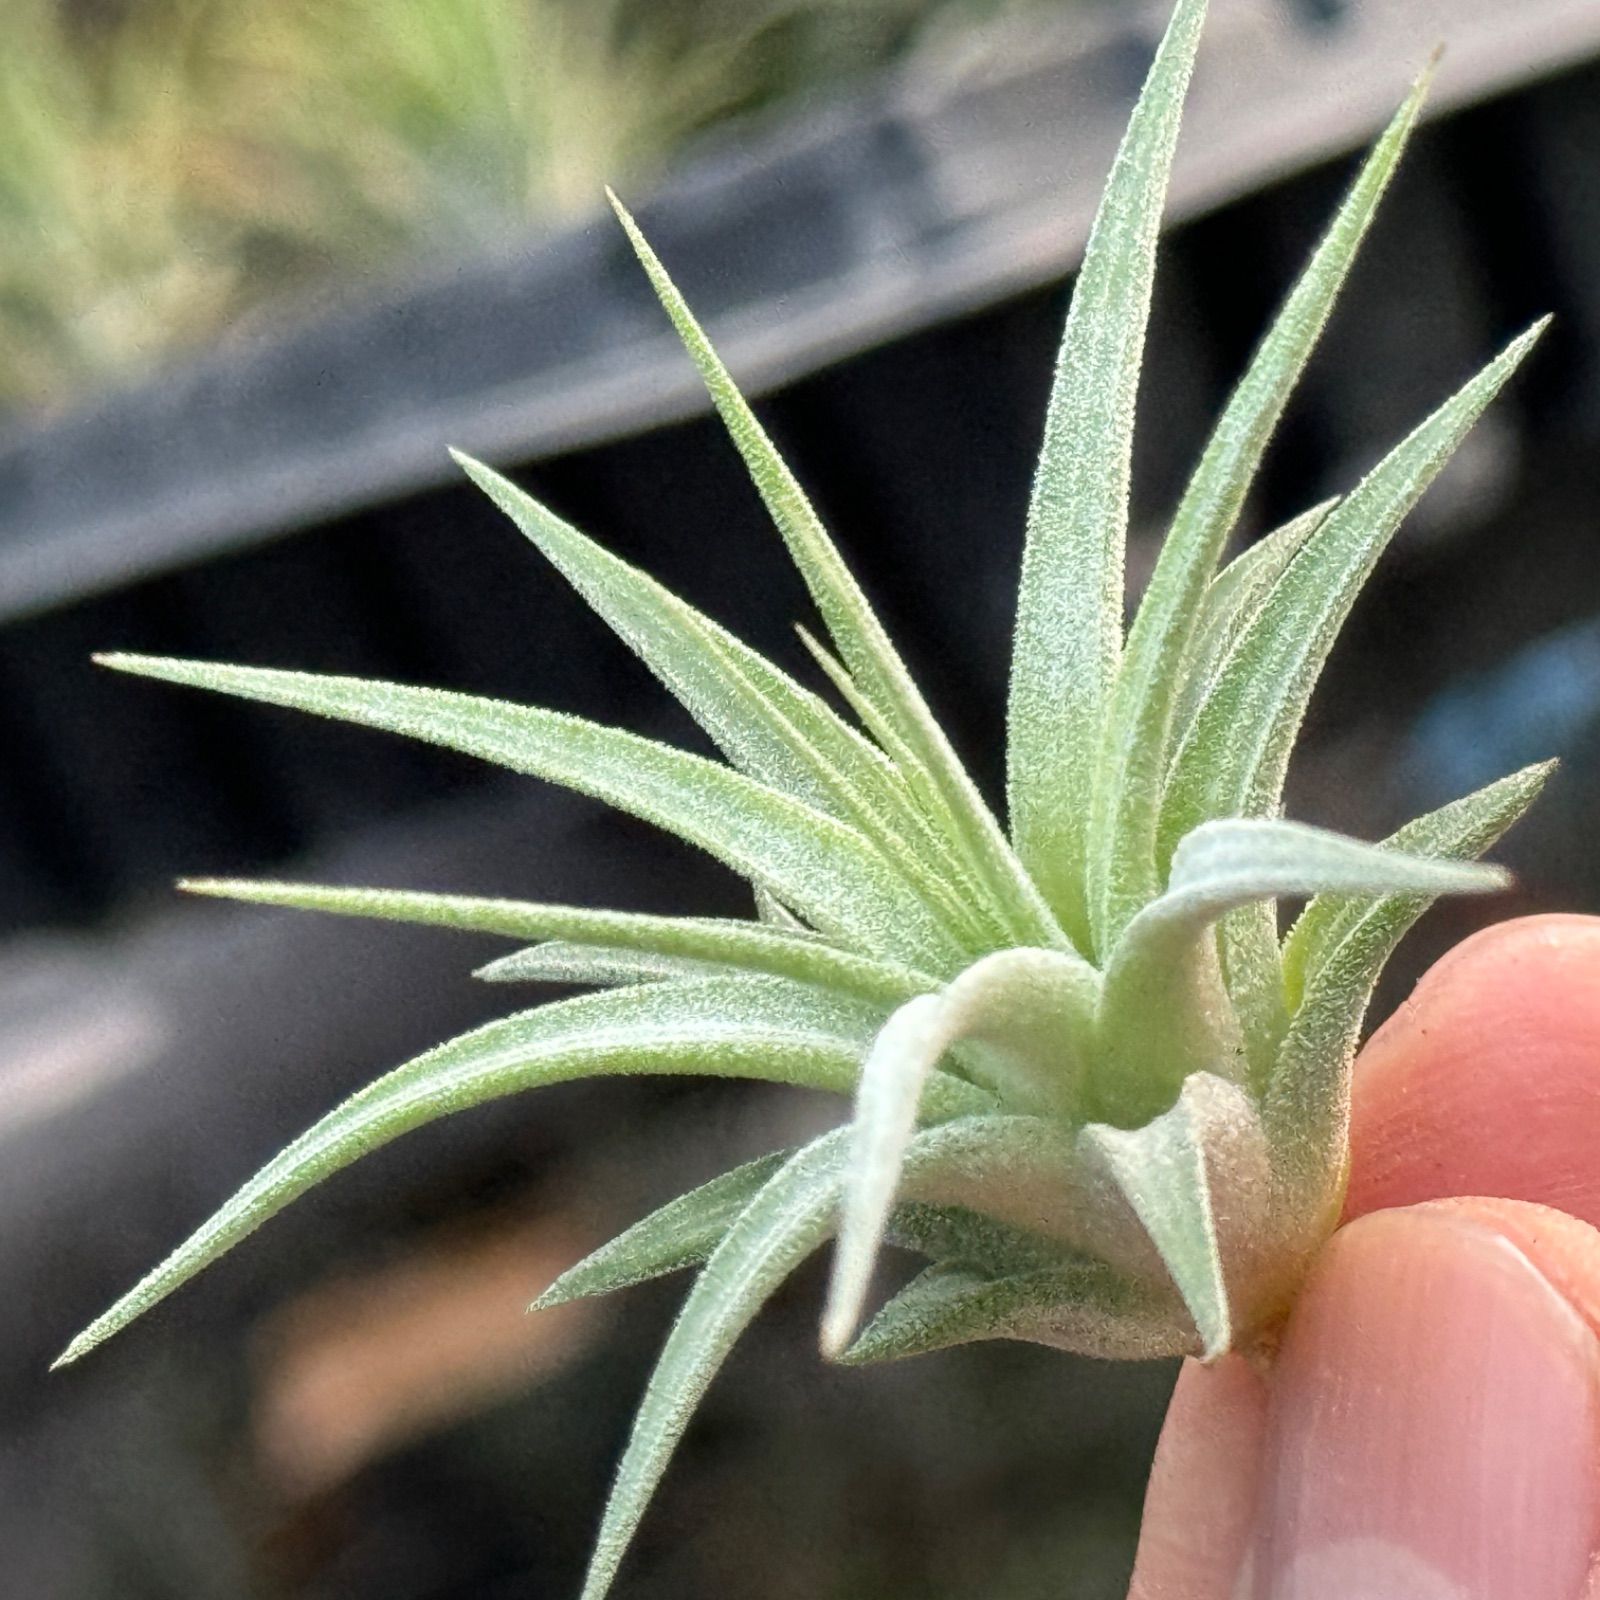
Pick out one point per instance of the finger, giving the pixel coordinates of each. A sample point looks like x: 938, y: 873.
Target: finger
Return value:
x: 1434, y: 1427
x: 1200, y: 1508
x: 1430, y: 1429
x: 1487, y: 1080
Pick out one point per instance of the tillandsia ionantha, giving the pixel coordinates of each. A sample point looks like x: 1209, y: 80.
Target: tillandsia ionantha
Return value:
x: 1092, y: 1084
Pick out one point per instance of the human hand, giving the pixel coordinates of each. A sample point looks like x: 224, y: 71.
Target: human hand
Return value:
x: 1430, y: 1427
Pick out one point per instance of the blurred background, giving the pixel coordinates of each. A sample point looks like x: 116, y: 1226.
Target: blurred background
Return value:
x: 259, y: 266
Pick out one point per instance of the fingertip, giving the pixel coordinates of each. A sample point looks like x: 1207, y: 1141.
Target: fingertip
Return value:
x: 1487, y: 1080
x: 1434, y: 1426
x: 1430, y: 1425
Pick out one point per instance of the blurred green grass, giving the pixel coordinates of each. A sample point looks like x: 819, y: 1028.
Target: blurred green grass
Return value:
x: 170, y: 169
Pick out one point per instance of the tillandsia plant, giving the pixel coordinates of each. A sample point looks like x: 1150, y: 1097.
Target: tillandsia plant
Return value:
x: 1092, y: 1084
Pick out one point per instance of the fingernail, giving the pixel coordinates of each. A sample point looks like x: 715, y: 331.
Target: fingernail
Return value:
x: 1435, y: 1427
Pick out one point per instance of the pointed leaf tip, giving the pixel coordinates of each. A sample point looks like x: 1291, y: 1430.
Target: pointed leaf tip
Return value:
x: 800, y: 853
x: 73, y: 1352
x: 862, y: 643
x: 788, y: 1218
x: 1136, y: 739
x: 1164, y: 1172
x: 682, y: 1233
x: 1235, y: 753
x: 890, y: 1090
x: 1068, y: 632
x: 764, y: 1028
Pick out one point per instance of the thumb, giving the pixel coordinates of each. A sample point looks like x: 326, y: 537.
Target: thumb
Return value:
x: 1430, y: 1429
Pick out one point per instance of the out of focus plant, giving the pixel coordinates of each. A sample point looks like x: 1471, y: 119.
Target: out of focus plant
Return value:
x: 108, y: 249
x: 167, y: 174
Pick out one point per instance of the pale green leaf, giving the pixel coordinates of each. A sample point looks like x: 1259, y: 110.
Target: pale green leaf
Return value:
x: 1161, y: 1169
x: 1233, y: 759
x: 1035, y: 1009
x: 1339, y: 957
x: 1229, y: 863
x: 704, y: 667
x: 1162, y: 1012
x: 763, y: 721
x: 1122, y: 851
x: 788, y: 1219
x: 785, y: 952
x: 958, y: 1236
x: 1247, y: 949
x: 738, y: 946
x: 685, y: 1231
x: 1235, y: 752
x: 1248, y: 937
x: 986, y: 921
x: 1233, y: 600
x: 1461, y: 830
x: 875, y: 721
x: 1069, y: 607
x: 772, y: 913
x: 855, y: 629
x: 1027, y: 1176
x: 1083, y: 1306
x: 887, y: 1099
x: 567, y: 961
x: 763, y: 1028
x: 785, y: 1222
x: 682, y: 1233
x: 1026, y: 1022
x: 826, y: 870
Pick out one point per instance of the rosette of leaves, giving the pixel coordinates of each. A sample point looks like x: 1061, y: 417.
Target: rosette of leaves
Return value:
x: 1091, y: 1083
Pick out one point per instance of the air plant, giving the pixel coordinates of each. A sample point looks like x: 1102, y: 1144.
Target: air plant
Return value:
x: 1092, y: 1085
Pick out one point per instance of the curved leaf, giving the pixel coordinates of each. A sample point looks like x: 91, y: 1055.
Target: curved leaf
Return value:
x: 1307, y: 1103
x: 1035, y: 1006
x: 785, y: 1222
x: 854, y: 627
x: 827, y: 871
x: 887, y: 1097
x: 1233, y: 759
x: 729, y: 1027
x: 761, y: 719
x: 682, y: 1233
x: 1086, y: 1307
x: 1229, y: 863
x: 1163, y: 1169
x: 1461, y: 830
x: 1161, y: 1011
x: 789, y: 1218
